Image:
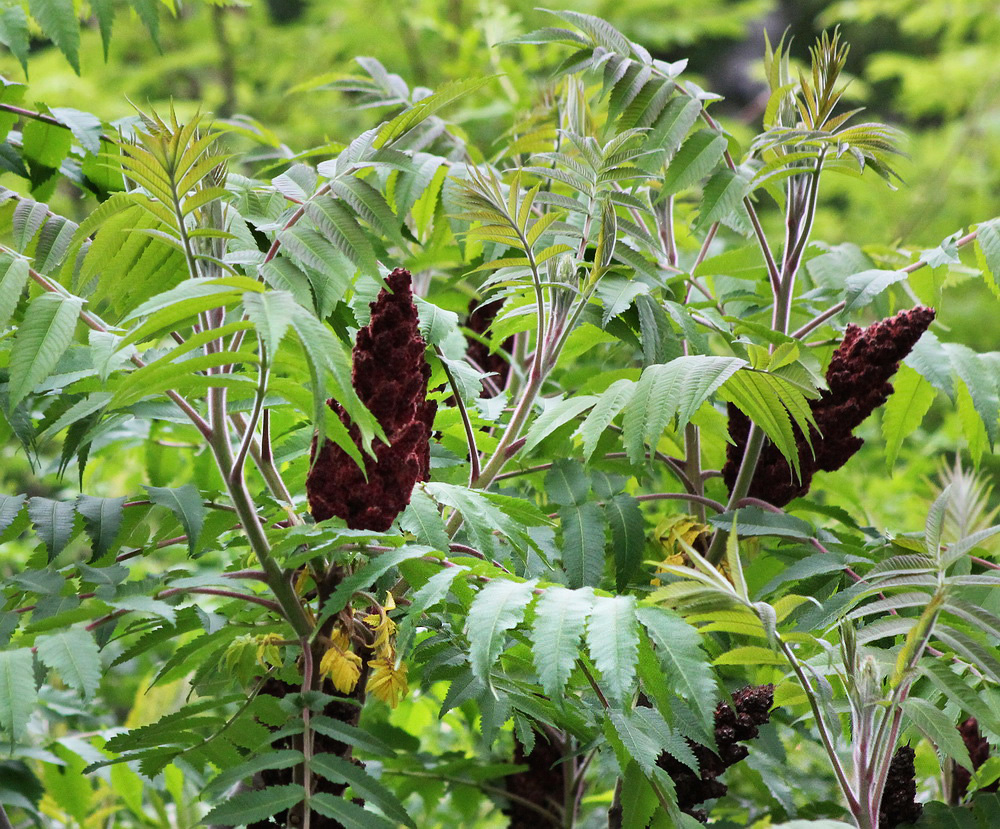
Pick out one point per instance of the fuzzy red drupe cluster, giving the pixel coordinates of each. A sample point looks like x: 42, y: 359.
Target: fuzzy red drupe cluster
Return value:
x: 390, y: 376
x: 481, y: 316
x: 858, y: 380
x: 733, y: 723
x: 898, y: 798
x: 979, y: 753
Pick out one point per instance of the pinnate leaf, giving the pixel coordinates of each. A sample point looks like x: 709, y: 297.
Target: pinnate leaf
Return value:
x: 15, y: 277
x: 102, y: 520
x: 347, y: 814
x: 53, y: 521
x: 558, y: 411
x: 17, y: 692
x: 560, y: 618
x: 694, y: 160
x: 686, y: 665
x: 583, y: 530
x: 59, y: 23
x: 904, y: 410
x: 338, y: 770
x: 74, y: 655
x: 613, y: 642
x: 185, y: 502
x: 41, y: 340
x: 251, y: 806
x: 271, y: 313
x: 677, y: 388
x: 606, y: 409
x: 498, y: 608
x: 628, y: 537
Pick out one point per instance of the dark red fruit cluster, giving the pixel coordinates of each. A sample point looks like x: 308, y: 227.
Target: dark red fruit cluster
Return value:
x: 390, y: 376
x: 858, y: 380
x: 898, y: 798
x: 541, y: 783
x: 752, y: 709
x: 481, y: 316
x: 979, y: 753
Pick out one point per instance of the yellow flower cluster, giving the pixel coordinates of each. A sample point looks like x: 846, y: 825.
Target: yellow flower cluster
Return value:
x: 343, y: 666
x: 673, y: 530
x: 340, y: 663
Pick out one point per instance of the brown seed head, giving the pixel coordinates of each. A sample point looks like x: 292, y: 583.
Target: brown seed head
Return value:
x: 390, y: 376
x: 858, y: 380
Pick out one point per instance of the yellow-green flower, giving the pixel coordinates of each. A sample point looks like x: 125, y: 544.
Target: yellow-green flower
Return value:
x: 341, y: 664
x: 387, y: 682
x: 383, y: 626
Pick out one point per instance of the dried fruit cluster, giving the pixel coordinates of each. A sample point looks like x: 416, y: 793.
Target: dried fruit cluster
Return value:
x: 390, y: 376
x: 898, y: 798
x: 541, y: 783
x: 752, y: 709
x: 979, y: 753
x: 481, y: 316
x: 858, y: 380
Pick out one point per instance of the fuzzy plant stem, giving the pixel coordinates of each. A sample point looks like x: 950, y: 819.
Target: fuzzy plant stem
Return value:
x: 536, y: 377
x: 470, y: 433
x: 821, y: 726
x: 799, y: 224
x: 835, y: 309
x: 246, y: 510
x: 877, y: 768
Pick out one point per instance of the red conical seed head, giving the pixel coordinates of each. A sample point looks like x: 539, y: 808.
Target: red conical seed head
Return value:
x: 858, y: 380
x: 481, y: 316
x: 898, y: 797
x: 390, y: 376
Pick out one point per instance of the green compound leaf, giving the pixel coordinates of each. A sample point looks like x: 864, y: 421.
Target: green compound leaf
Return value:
x: 53, y: 521
x: 251, y: 806
x: 14, y: 33
x: 687, y: 667
x: 102, y: 520
x: 904, y: 410
x: 677, y: 388
x: 566, y: 482
x: 17, y: 692
x: 560, y: 618
x: 40, y: 341
x: 422, y: 518
x: 274, y: 759
x: 58, y: 21
x: 347, y: 814
x: 498, y: 608
x: 15, y: 277
x: 628, y: 536
x: 613, y: 641
x: 271, y: 313
x: 583, y: 530
x: 558, y: 411
x: 694, y: 160
x: 338, y: 770
x: 607, y: 408
x: 74, y: 655
x: 186, y: 503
